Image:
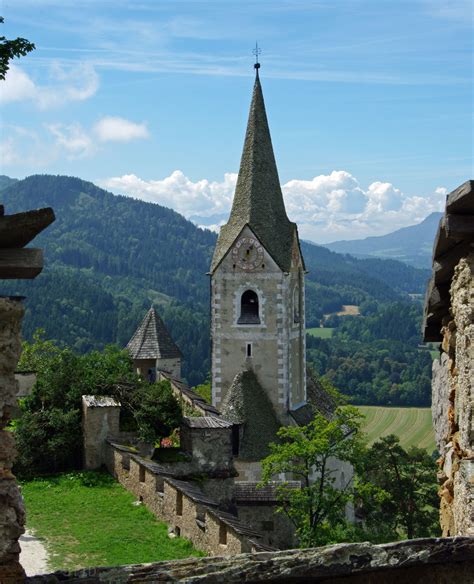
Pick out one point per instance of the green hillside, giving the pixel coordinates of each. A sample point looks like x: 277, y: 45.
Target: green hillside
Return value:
x: 109, y: 257
x: 413, y: 426
x: 412, y: 245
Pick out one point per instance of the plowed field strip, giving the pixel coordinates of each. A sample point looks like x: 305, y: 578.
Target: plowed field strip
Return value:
x: 412, y: 425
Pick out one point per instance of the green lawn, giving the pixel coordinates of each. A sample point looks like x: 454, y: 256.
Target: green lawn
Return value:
x: 412, y: 425
x: 321, y: 333
x: 88, y: 519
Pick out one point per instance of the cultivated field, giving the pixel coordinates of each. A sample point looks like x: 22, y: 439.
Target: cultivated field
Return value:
x: 412, y: 425
x: 320, y: 332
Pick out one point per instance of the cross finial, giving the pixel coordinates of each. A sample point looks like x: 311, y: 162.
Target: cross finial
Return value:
x: 256, y: 52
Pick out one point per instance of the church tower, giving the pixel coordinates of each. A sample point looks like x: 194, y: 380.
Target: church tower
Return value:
x: 257, y: 282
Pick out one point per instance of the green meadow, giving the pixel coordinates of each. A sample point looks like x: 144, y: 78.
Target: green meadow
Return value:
x: 88, y: 519
x: 412, y: 425
x: 320, y: 333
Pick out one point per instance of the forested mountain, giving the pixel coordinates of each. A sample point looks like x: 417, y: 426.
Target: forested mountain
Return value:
x: 109, y: 257
x: 411, y: 245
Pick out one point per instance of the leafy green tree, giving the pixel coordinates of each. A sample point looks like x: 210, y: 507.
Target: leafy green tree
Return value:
x: 48, y: 430
x: 309, y: 454
x: 156, y: 411
x: 10, y: 49
x: 408, y: 479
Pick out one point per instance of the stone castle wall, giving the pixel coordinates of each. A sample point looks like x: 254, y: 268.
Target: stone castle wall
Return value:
x: 12, y: 516
x: 453, y: 405
x: 422, y: 561
x: 187, y: 509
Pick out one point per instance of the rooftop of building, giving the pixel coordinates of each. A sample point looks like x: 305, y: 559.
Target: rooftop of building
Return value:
x: 152, y: 340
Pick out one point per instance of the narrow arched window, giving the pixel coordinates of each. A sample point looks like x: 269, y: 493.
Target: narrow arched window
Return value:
x: 296, y: 304
x: 249, y: 313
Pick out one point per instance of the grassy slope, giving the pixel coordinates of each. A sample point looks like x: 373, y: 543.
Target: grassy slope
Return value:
x: 412, y: 425
x: 88, y: 519
x: 320, y: 333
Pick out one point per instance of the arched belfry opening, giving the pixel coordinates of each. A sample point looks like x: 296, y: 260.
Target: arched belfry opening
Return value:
x: 249, y: 308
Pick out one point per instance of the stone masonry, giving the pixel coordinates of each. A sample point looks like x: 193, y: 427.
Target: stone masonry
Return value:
x: 449, y: 318
x: 453, y: 406
x: 419, y: 561
x: 12, y: 516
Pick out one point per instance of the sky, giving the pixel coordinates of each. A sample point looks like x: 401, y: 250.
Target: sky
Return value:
x: 369, y: 103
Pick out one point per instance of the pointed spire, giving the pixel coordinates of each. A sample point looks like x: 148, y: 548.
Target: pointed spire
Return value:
x: 258, y: 200
x: 151, y: 340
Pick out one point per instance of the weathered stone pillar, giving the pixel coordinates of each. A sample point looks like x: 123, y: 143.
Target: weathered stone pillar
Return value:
x: 12, y: 516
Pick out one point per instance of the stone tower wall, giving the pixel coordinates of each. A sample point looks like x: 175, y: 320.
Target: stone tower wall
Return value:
x: 453, y: 405
x: 277, y: 342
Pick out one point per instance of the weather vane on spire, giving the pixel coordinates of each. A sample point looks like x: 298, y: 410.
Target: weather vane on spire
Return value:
x: 256, y: 52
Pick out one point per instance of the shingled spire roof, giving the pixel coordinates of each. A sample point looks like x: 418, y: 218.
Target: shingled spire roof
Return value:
x: 247, y: 404
x: 258, y: 200
x: 152, y: 341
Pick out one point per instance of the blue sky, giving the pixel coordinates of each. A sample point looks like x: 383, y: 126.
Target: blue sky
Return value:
x: 369, y: 103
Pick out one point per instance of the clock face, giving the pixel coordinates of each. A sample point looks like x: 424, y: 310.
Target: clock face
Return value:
x: 247, y: 253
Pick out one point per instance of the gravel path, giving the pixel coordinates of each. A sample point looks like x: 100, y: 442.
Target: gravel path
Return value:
x: 33, y: 557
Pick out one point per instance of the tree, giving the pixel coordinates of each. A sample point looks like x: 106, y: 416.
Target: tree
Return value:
x: 154, y: 408
x: 408, y: 478
x: 9, y: 49
x: 48, y: 430
x: 310, y: 454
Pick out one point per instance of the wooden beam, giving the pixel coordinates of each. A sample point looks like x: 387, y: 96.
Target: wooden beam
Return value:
x: 443, y: 265
x: 461, y: 200
x: 459, y: 226
x: 437, y: 296
x: 19, y: 229
x: 23, y: 264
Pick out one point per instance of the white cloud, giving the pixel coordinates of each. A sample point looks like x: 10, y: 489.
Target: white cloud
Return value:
x: 115, y: 129
x: 72, y: 139
x: 62, y: 85
x: 326, y: 208
x: 22, y: 147
x: 201, y: 199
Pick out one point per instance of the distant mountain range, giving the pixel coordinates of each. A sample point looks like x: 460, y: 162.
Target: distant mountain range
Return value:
x: 411, y: 245
x: 109, y: 257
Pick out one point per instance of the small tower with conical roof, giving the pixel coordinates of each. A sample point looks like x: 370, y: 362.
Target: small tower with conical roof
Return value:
x: 152, y: 349
x: 257, y: 282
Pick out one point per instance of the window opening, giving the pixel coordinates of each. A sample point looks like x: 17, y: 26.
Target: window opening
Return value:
x: 249, y: 349
x: 222, y: 534
x: 179, y: 503
x: 142, y: 474
x: 249, y: 309
x: 151, y: 375
x: 296, y: 305
x: 235, y: 439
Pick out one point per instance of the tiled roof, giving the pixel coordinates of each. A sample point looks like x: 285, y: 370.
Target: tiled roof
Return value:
x: 206, y: 422
x: 152, y: 341
x: 198, y: 401
x: 235, y: 523
x: 258, y: 200
x: 246, y: 403
x: 100, y: 401
x: 251, y: 492
x: 318, y: 400
x: 191, y: 491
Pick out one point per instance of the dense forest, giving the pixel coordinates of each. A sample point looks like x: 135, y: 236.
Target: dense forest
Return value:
x: 109, y: 257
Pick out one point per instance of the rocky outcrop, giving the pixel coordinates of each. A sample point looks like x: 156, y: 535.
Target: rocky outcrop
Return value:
x: 11, y: 505
x: 422, y: 561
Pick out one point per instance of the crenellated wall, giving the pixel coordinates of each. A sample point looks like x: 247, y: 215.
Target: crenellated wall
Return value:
x: 183, y: 505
